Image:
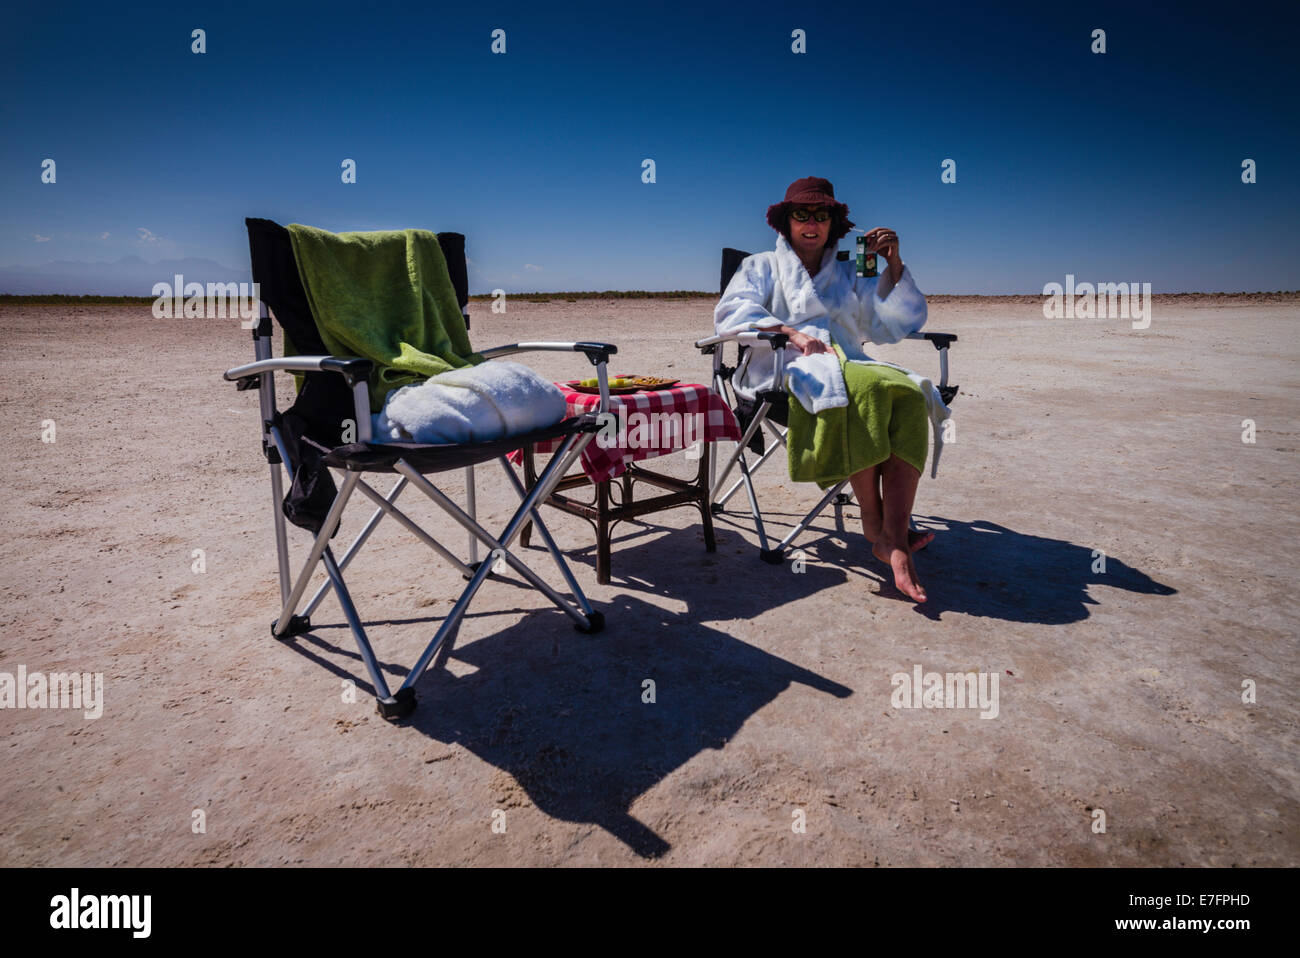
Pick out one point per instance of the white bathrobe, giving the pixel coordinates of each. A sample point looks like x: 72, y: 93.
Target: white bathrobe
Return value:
x: 837, y: 307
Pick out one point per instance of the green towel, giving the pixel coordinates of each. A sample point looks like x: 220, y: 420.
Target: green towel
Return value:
x: 386, y: 296
x: 886, y: 414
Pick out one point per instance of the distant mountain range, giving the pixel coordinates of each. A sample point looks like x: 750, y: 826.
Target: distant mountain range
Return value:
x: 128, y: 276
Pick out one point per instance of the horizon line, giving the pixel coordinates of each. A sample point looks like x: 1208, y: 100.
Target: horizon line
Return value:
x: 54, y: 299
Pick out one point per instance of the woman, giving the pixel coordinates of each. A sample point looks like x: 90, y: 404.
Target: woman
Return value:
x: 827, y: 310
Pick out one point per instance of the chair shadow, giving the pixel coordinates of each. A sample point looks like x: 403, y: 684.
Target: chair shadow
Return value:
x: 566, y: 715
x: 673, y: 563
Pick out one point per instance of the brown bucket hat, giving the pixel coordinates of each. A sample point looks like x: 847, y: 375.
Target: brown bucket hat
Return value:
x: 811, y: 191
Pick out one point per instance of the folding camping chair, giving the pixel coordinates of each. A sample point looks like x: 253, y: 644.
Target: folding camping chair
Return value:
x: 308, y: 438
x: 770, y: 410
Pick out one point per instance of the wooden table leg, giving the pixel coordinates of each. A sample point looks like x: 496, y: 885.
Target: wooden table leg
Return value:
x: 603, y: 515
x: 706, y: 514
x: 602, y: 532
x: 530, y: 480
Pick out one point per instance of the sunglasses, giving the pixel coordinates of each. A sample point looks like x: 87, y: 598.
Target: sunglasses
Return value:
x: 803, y: 216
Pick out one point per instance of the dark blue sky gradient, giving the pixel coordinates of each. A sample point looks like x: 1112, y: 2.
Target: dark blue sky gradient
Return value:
x: 1117, y: 167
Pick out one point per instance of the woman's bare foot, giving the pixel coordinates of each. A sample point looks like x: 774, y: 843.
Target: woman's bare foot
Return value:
x: 916, y: 541
x: 900, y: 561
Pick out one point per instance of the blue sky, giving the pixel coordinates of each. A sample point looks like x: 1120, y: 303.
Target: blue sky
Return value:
x: 1117, y: 167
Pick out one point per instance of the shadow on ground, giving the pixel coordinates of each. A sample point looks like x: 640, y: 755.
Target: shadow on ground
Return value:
x: 565, y: 714
x: 985, y: 569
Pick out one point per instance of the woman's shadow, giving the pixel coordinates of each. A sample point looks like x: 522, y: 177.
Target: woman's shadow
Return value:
x: 979, y: 568
x: 985, y: 569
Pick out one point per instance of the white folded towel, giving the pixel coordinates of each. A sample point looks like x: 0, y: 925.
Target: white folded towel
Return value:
x: 492, y: 400
x: 817, y: 382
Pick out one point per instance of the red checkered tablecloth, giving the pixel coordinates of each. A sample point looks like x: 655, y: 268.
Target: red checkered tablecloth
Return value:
x: 661, y: 427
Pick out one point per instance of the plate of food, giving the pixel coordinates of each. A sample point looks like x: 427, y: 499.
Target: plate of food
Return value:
x: 654, y: 382
x: 622, y: 384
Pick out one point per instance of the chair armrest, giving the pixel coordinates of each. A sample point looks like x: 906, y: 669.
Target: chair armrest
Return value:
x: 748, y: 337
x: 596, y: 352
x: 940, y: 340
x: 355, y: 372
x: 352, y: 369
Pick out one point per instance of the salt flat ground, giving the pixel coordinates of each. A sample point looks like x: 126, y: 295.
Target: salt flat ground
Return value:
x: 1119, y: 691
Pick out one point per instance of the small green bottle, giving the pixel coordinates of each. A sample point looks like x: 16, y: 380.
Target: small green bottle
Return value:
x: 866, y: 261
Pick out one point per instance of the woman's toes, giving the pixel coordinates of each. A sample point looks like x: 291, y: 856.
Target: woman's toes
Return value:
x: 900, y: 563
x: 911, y: 588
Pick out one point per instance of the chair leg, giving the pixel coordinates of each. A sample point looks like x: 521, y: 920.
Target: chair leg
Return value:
x: 746, y: 475
x: 712, y: 470
x: 739, y: 452
x: 318, y: 547
x: 394, y: 705
x: 471, y: 506
x: 354, y: 623
x: 357, y: 543
x: 501, y: 547
x: 550, y: 542
x: 584, y: 621
x: 806, y: 520
x: 602, y: 532
x: 449, y: 624
x: 406, y: 522
x: 281, y: 540
x: 767, y: 454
